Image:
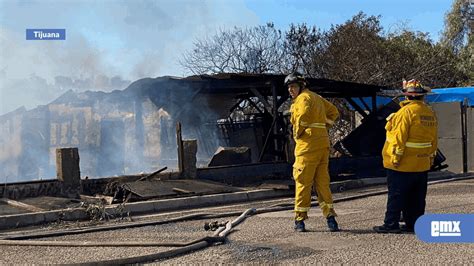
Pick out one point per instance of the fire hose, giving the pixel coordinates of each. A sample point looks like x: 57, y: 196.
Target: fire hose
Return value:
x: 218, y: 237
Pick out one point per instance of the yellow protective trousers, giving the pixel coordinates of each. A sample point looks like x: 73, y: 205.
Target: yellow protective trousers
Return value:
x: 312, y: 170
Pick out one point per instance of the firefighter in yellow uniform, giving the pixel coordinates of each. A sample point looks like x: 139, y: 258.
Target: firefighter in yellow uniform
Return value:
x: 408, y: 154
x: 311, y: 115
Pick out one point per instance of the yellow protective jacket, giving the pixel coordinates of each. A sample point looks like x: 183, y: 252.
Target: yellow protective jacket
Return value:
x: 311, y: 115
x: 411, y: 139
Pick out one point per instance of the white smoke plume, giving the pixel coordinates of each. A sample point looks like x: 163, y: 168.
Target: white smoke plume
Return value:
x: 108, y: 43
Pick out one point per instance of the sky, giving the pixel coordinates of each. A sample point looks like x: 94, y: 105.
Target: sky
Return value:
x: 111, y: 43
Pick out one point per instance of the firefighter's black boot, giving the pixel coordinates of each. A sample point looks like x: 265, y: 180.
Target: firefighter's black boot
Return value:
x: 385, y: 229
x: 332, y: 224
x: 299, y: 226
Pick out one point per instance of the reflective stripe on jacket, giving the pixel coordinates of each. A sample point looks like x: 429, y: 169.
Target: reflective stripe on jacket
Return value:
x: 411, y: 138
x: 311, y: 114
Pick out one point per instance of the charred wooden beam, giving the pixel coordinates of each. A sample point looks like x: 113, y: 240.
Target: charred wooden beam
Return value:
x: 262, y: 99
x: 364, y: 103
x: 356, y: 107
x: 282, y: 100
x: 374, y: 103
x: 275, y: 119
x: 267, y: 138
x: 152, y: 174
x: 236, y: 105
x: 179, y: 142
x: 255, y: 105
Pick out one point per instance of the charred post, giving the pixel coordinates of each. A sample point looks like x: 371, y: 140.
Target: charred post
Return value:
x: 189, y: 158
x: 179, y: 142
x: 68, y: 172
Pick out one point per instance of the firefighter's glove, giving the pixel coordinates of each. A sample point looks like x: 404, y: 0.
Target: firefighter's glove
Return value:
x: 396, y: 160
x: 432, y: 161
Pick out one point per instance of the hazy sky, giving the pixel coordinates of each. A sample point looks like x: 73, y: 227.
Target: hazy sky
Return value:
x: 110, y: 43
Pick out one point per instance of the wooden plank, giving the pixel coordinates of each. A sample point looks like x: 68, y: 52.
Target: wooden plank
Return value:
x: 152, y: 174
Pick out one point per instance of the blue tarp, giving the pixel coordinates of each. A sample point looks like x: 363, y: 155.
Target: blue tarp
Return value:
x: 452, y: 95
x: 368, y: 100
x: 436, y: 96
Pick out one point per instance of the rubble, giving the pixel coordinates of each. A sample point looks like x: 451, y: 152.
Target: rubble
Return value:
x: 231, y: 156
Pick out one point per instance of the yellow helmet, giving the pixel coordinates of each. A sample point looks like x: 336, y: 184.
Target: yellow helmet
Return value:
x: 414, y: 87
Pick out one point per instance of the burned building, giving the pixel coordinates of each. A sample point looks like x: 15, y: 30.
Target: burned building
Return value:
x: 133, y: 130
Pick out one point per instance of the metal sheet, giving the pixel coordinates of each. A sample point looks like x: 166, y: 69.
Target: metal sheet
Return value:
x: 247, y: 173
x: 450, y: 133
x: 164, y: 188
x: 452, y: 149
x: 449, y: 119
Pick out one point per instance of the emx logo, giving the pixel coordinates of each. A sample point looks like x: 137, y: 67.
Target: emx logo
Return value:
x: 445, y: 228
x: 435, y: 228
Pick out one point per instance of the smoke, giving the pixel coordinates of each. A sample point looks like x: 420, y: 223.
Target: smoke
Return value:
x: 108, y: 43
x: 122, y: 132
x: 99, y: 81
x: 36, y: 74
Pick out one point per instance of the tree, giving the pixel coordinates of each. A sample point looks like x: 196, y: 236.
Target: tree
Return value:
x: 466, y: 62
x: 458, y: 37
x: 349, y: 51
x: 249, y: 50
x: 414, y: 55
x: 358, y: 51
x: 301, y: 44
x: 457, y: 25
